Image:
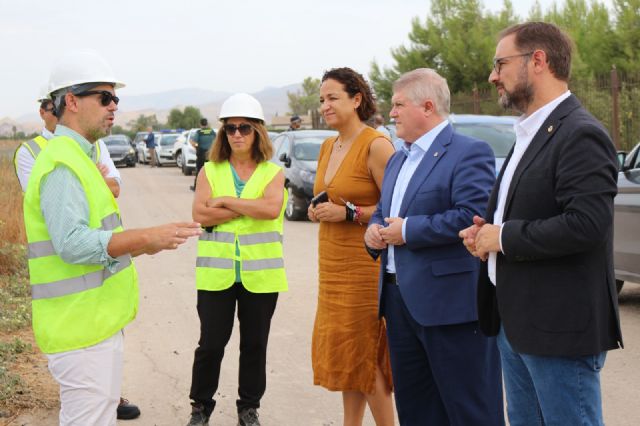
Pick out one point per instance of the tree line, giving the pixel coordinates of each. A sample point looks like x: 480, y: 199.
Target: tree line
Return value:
x: 457, y: 38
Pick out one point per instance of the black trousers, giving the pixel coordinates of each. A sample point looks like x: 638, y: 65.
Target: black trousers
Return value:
x: 201, y: 158
x: 216, y: 310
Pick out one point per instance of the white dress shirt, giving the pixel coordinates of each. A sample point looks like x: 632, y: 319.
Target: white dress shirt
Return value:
x: 414, y: 152
x: 25, y: 162
x: 525, y: 128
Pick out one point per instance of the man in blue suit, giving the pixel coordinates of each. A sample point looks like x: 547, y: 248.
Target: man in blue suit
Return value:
x: 445, y: 371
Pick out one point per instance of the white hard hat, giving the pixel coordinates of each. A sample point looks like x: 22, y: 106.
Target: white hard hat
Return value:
x: 79, y: 67
x: 241, y: 105
x: 44, y: 94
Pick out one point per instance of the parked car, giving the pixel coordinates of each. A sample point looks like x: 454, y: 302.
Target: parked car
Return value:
x: 142, y: 153
x: 164, y: 148
x: 626, y: 225
x: 495, y: 130
x: 120, y: 150
x: 184, y: 153
x: 297, y: 152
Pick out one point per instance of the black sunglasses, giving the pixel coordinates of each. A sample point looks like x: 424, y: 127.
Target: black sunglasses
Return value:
x: 230, y: 129
x: 105, y: 96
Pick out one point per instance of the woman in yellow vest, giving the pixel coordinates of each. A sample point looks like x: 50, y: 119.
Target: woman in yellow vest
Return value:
x: 240, y: 201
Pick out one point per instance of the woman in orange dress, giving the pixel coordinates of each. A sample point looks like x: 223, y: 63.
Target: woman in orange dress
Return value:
x: 349, y: 349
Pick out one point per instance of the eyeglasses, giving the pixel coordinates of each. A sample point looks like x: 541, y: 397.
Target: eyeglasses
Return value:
x: 230, y: 129
x: 105, y: 96
x: 48, y: 109
x: 499, y: 62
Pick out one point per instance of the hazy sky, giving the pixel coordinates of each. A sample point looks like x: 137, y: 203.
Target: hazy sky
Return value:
x: 238, y: 45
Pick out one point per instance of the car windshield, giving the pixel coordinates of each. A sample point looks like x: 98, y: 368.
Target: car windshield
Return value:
x: 116, y: 141
x: 499, y: 136
x: 307, y: 149
x: 168, y: 140
x: 140, y: 137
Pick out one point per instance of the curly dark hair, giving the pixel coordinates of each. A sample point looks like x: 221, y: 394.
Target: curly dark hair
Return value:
x: 354, y: 83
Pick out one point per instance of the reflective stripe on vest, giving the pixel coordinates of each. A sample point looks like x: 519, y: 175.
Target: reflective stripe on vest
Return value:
x: 45, y: 248
x: 75, y: 305
x: 33, y: 147
x: 259, y: 240
x: 77, y: 284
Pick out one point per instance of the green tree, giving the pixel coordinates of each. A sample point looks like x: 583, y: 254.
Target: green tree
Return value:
x: 307, y: 99
x: 457, y: 40
x: 175, y: 118
x: 141, y: 123
x: 187, y: 119
x: 191, y: 117
x: 628, y: 33
x: 592, y: 32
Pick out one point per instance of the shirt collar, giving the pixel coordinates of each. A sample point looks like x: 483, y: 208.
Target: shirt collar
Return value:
x: 529, y: 125
x: 86, y: 146
x: 46, y: 134
x: 423, y: 143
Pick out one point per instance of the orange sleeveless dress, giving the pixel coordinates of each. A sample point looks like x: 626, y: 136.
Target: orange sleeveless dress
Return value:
x: 349, y: 340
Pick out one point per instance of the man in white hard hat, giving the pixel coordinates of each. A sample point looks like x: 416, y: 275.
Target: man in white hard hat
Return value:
x: 83, y: 282
x: 27, y: 152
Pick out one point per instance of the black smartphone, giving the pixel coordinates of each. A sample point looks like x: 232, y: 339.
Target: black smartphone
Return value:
x: 320, y: 198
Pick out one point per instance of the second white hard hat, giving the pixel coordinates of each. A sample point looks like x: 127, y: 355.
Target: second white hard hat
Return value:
x: 241, y: 105
x: 79, y: 67
x: 44, y: 94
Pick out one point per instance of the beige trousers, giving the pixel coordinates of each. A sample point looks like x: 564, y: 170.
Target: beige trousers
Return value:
x: 90, y: 381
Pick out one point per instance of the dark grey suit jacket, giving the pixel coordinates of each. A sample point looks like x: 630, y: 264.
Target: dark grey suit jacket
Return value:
x: 555, y: 292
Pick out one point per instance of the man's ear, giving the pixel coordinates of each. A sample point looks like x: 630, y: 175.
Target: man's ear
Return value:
x: 71, y: 102
x: 429, y: 107
x: 539, y: 60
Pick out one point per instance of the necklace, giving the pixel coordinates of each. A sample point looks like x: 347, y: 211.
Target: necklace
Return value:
x: 340, y: 143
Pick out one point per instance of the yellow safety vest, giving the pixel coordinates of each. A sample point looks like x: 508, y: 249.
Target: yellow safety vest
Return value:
x: 75, y: 306
x: 35, y: 146
x: 259, y: 241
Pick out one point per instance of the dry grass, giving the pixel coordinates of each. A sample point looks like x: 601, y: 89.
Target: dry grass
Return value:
x: 11, y: 221
x: 24, y: 382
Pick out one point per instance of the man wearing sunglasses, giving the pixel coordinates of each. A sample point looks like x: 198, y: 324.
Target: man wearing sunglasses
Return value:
x: 84, y: 285
x: 26, y: 154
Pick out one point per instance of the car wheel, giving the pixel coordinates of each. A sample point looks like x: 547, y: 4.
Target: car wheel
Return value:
x: 179, y: 159
x: 188, y: 171
x: 619, y: 284
x: 292, y: 211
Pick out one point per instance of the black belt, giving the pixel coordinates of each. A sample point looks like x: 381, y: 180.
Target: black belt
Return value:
x: 390, y: 278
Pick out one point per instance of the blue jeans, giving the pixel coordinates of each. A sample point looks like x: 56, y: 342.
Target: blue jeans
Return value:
x: 551, y: 390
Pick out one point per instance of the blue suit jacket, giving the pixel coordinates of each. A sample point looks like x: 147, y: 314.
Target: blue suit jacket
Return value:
x: 436, y: 275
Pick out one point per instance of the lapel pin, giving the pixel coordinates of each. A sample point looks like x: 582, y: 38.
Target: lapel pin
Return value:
x: 549, y: 129
x: 435, y: 154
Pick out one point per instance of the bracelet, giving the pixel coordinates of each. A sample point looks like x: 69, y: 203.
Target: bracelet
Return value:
x: 358, y: 215
x: 352, y: 212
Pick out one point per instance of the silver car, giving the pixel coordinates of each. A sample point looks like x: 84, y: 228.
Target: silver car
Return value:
x: 626, y: 223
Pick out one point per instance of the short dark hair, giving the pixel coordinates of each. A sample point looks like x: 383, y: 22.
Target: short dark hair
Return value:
x: 354, y: 83
x: 45, y: 103
x: 203, y: 122
x: 530, y: 36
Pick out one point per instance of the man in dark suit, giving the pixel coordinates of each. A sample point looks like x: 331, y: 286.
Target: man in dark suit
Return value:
x: 445, y: 371
x: 548, y: 288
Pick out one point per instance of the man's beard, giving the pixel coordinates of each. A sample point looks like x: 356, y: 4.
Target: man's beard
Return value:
x: 520, y: 97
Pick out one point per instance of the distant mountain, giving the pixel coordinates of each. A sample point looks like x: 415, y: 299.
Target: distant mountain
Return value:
x: 274, y: 102
x: 170, y: 99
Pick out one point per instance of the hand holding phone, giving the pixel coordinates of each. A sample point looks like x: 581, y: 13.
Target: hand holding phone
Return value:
x: 320, y: 198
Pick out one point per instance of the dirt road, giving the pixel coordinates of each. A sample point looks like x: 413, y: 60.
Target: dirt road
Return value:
x: 159, y: 344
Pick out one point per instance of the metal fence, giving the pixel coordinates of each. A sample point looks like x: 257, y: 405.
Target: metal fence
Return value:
x: 615, y: 101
